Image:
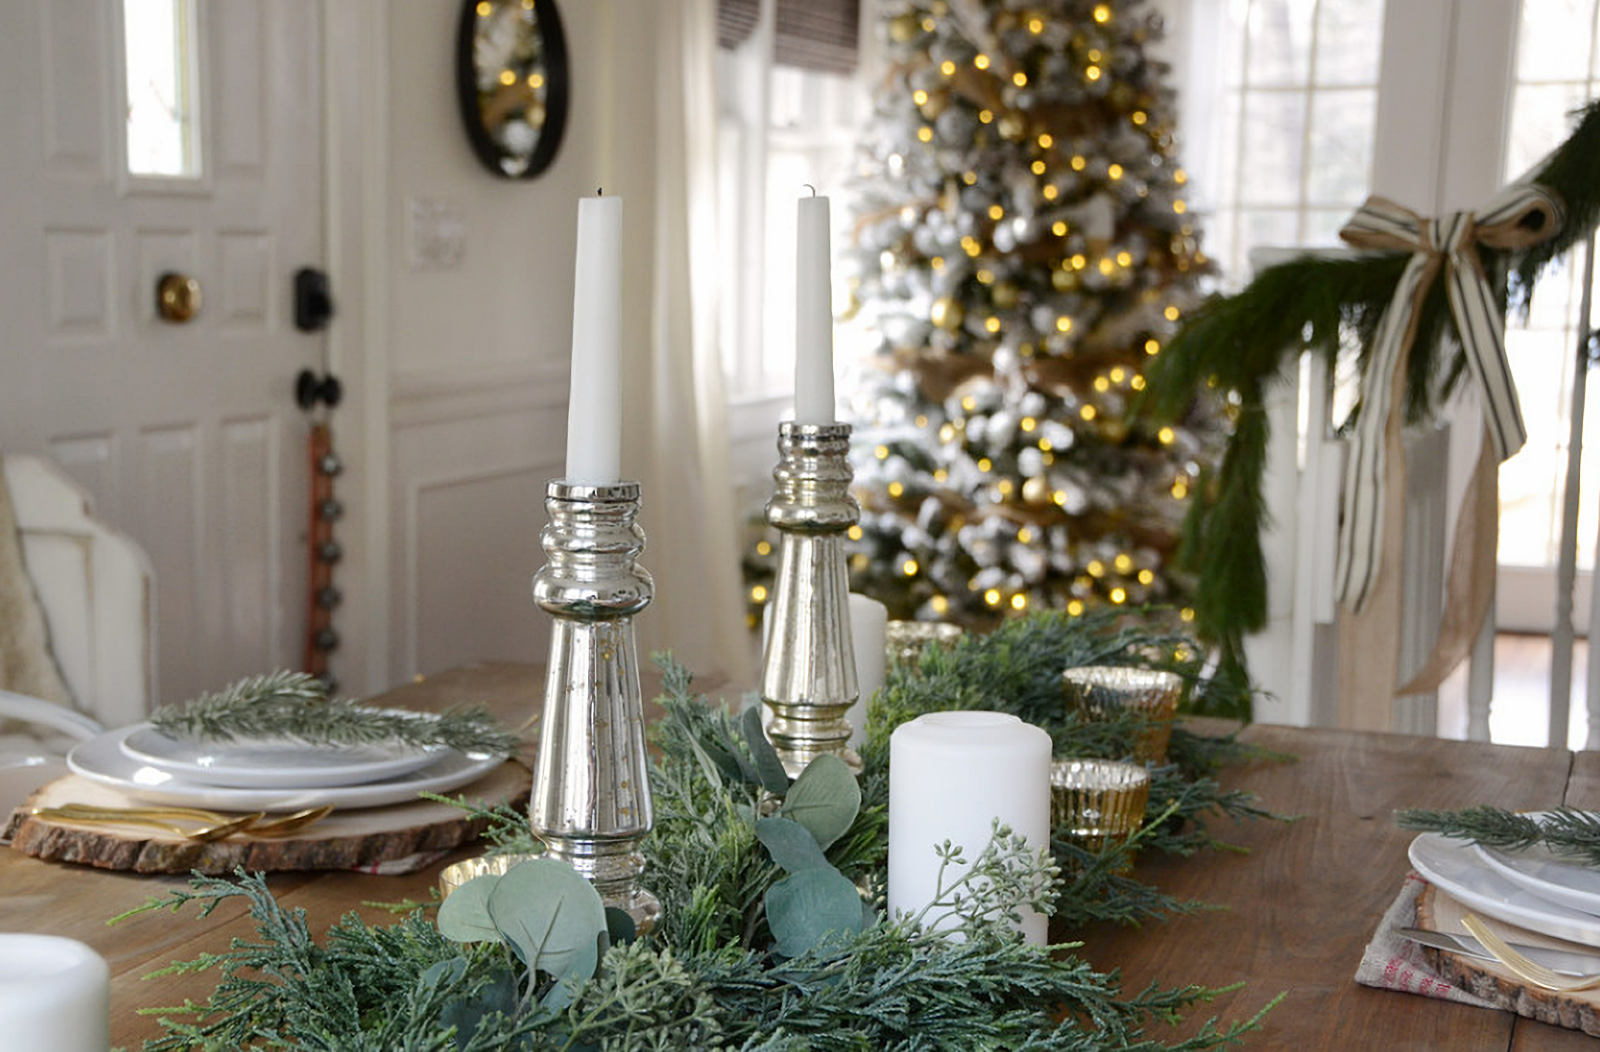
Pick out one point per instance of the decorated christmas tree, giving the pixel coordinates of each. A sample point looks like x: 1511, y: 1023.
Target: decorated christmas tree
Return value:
x: 1023, y: 250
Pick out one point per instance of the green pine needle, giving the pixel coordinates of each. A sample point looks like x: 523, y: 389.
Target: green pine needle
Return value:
x: 296, y: 706
x: 1566, y: 832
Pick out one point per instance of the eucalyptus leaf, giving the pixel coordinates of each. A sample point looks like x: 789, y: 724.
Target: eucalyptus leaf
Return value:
x: 791, y: 844
x: 620, y: 926
x: 774, y: 779
x: 731, y: 762
x: 808, y: 908
x: 464, y: 915
x: 443, y: 973
x: 551, y: 917
x: 825, y: 799
x: 498, y: 996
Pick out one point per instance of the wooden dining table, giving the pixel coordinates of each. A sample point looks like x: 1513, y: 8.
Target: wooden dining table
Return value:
x: 1291, y: 912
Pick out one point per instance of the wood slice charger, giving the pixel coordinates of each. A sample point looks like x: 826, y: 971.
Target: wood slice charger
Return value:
x: 1437, y: 911
x: 398, y: 838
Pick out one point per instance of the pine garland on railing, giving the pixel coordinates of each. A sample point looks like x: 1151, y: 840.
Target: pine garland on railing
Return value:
x: 1314, y: 304
x: 724, y: 970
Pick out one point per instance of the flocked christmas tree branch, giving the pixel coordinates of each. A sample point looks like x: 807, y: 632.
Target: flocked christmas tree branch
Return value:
x: 295, y: 705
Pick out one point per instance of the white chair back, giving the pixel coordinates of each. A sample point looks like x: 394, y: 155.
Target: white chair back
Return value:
x: 96, y: 588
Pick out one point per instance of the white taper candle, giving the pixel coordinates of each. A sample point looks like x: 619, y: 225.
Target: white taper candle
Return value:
x: 594, y: 410
x: 813, y: 314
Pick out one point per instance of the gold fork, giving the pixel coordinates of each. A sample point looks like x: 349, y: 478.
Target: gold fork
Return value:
x: 116, y: 816
x: 216, y: 824
x: 1536, y: 974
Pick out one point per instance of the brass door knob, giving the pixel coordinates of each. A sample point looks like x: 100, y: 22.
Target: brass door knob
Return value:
x: 177, y: 297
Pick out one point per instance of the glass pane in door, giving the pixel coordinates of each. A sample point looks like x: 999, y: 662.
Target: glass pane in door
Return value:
x: 159, y: 53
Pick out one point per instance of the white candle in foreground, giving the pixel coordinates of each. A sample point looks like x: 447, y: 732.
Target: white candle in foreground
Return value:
x: 869, y: 620
x: 55, y: 995
x: 594, y: 410
x: 813, y: 316
x: 951, y: 774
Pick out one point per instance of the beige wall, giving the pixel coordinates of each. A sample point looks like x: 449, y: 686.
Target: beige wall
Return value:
x: 477, y: 353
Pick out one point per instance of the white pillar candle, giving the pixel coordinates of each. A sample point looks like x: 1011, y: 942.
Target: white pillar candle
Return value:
x: 594, y: 410
x: 813, y: 316
x: 55, y: 995
x: 951, y: 774
x: 868, y: 621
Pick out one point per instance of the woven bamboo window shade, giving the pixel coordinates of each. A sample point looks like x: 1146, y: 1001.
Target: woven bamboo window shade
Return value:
x: 810, y: 34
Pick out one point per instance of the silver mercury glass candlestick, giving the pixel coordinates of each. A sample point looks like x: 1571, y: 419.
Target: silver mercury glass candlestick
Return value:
x: 591, y: 789
x: 808, y: 674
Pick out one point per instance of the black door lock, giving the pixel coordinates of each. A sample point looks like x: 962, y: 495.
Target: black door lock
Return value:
x: 313, y: 303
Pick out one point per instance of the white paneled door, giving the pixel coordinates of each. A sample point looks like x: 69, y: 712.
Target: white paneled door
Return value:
x: 187, y: 434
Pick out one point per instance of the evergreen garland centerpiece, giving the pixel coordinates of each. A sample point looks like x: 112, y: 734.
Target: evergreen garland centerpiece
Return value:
x: 772, y: 935
x: 1023, y: 250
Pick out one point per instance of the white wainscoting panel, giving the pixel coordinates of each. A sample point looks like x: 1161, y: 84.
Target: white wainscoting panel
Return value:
x: 469, y: 462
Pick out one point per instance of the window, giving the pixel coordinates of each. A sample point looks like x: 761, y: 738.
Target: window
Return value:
x: 789, y: 108
x: 159, y: 47
x: 1286, y: 156
x: 1556, y: 71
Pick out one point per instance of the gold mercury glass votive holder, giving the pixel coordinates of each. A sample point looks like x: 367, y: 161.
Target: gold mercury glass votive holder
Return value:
x: 1097, y: 803
x: 905, y: 642
x: 1101, y: 691
x: 457, y: 874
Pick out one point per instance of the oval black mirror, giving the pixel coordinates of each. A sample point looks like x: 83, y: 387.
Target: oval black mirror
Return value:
x: 511, y: 82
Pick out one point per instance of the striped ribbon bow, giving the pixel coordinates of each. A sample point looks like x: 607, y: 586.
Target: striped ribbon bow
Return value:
x: 1519, y: 216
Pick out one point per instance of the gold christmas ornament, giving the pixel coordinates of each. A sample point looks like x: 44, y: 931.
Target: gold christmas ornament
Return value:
x: 947, y: 314
x: 1004, y: 295
x: 1064, y: 280
x: 1036, y: 490
x: 1011, y: 127
x: 903, y: 28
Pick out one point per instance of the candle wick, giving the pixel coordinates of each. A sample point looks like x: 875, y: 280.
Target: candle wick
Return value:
x: 599, y: 191
x: 813, y: 189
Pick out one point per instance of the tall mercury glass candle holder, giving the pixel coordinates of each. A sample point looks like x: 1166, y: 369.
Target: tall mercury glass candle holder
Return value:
x: 808, y: 674
x: 591, y: 790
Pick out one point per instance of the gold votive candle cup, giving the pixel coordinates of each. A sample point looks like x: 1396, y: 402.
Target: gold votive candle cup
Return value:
x: 1097, y: 803
x: 905, y: 641
x: 457, y: 874
x: 1102, y: 690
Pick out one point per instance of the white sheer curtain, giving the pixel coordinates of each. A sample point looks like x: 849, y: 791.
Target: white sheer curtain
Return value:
x: 693, y: 545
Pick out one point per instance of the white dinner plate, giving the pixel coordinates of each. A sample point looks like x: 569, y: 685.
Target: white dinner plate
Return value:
x: 102, y: 760
x: 275, y: 763
x: 1456, y: 867
x: 1547, y: 875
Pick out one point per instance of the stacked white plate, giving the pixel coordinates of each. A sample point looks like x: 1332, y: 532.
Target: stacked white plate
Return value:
x: 270, y: 774
x: 1532, y: 888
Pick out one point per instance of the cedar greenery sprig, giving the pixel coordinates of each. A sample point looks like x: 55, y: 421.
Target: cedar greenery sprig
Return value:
x: 1320, y: 304
x: 296, y: 706
x: 1566, y: 832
